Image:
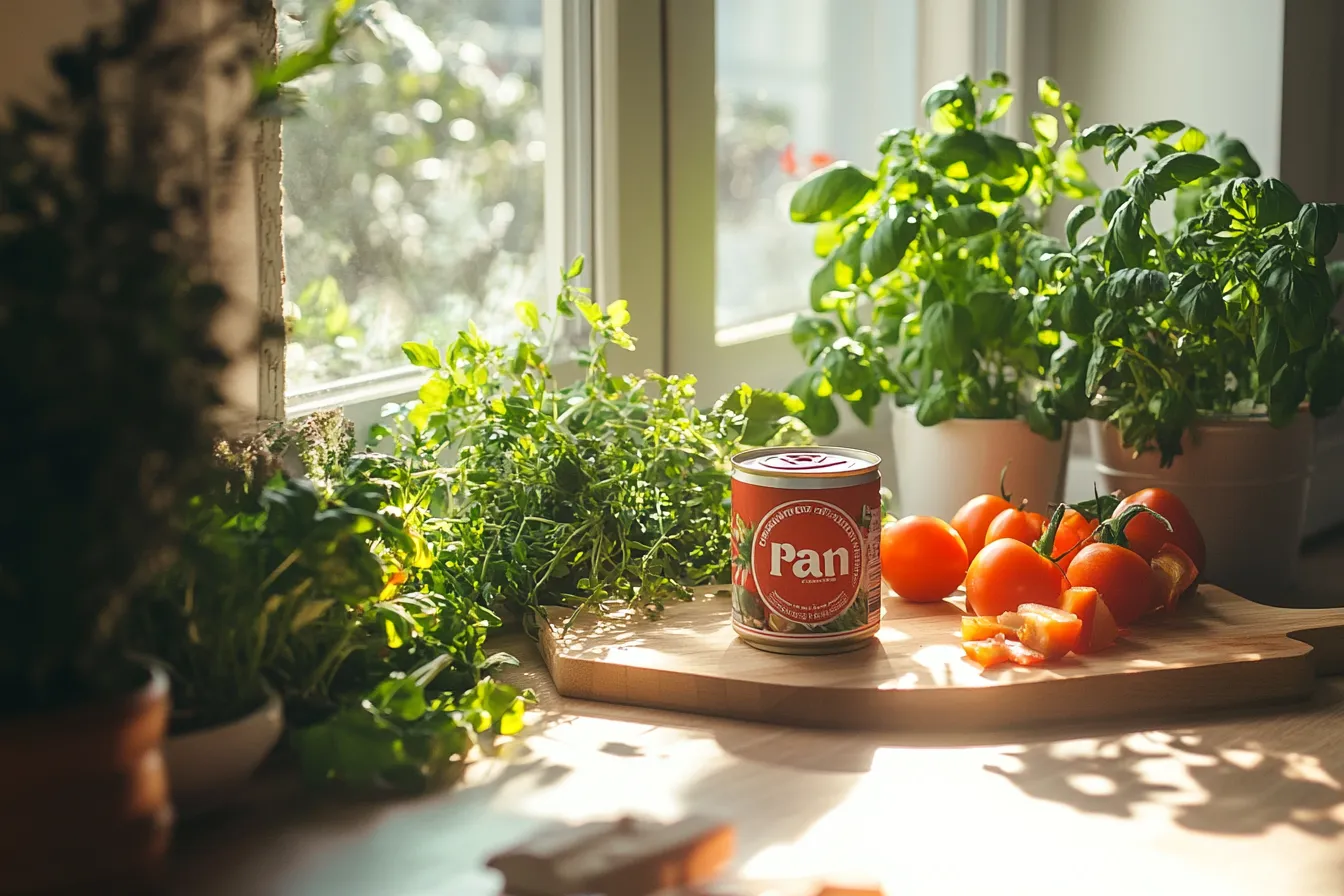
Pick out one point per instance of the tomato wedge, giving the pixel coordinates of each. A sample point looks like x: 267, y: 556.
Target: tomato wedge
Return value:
x: 1173, y: 572
x: 1047, y: 630
x: 998, y: 649
x: 982, y: 628
x: 1099, y: 629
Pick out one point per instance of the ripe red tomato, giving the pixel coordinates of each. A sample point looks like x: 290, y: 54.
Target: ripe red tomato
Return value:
x: 923, y: 558
x: 1019, y: 525
x: 1122, y: 578
x: 1146, y: 535
x: 973, y: 519
x: 1007, y: 574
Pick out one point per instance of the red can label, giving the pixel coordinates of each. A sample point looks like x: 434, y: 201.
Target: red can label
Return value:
x: 805, y: 558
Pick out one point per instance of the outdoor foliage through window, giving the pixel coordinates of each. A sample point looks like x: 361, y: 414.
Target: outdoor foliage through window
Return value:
x: 413, y: 182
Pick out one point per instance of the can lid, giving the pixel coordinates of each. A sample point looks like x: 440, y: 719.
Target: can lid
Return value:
x: 806, y: 462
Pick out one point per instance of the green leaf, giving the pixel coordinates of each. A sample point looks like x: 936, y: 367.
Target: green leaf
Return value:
x: 960, y: 154
x: 1325, y: 376
x: 528, y: 314
x: 1316, y: 229
x: 830, y: 193
x: 575, y: 268
x: 1077, y: 218
x: 818, y: 413
x: 1233, y: 156
x: 991, y: 315
x: 1046, y: 128
x: 1041, y: 416
x: 423, y: 354
x: 1271, y: 348
x: 936, y: 403
x: 1104, y: 356
x: 1077, y: 314
x: 811, y: 333
x: 1306, y: 311
x: 1048, y: 91
x: 884, y: 250
x: 965, y: 221
x: 1127, y: 236
x: 1097, y: 135
x: 946, y: 329
x: 1198, y: 301
x: 1159, y: 130
x: 1116, y: 147
x: 951, y: 105
x: 1180, y: 168
x: 1132, y: 287
x: 1002, y: 103
x: 1111, y: 201
x: 1287, y: 393
x: 1072, y: 115
x: 824, y: 282
x: 1192, y: 140
x: 1278, y: 203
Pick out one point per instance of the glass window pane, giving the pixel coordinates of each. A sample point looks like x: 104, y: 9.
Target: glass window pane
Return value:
x: 414, y: 183
x: 799, y: 83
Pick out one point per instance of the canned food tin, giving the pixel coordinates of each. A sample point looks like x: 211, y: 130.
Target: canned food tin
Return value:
x: 806, y: 525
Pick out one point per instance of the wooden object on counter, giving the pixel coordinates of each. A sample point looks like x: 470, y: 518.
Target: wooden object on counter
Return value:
x: 626, y: 857
x: 1216, y: 650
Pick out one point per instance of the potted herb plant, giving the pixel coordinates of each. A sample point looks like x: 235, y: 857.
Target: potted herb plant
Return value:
x: 1205, y: 348
x: 929, y: 293
x: 112, y: 373
x: 255, y: 606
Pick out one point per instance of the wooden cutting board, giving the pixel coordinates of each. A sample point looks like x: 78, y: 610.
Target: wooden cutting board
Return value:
x: 1217, y: 650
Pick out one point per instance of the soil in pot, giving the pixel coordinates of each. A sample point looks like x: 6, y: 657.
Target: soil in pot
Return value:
x: 1245, y: 483
x: 85, y: 795
x: 941, y: 467
x: 207, y: 765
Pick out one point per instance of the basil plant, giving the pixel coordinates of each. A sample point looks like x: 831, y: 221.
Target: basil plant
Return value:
x: 1225, y: 311
x: 933, y: 265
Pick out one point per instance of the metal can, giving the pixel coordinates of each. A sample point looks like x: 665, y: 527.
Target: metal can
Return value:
x: 806, y: 526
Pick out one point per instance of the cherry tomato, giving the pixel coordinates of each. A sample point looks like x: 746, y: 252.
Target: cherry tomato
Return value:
x: 1146, y: 534
x: 1122, y: 578
x: 996, y: 650
x: 1007, y: 574
x: 973, y: 519
x: 923, y: 558
x: 1019, y: 525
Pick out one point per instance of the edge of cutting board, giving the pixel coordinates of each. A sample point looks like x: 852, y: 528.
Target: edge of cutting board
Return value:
x: 1273, y: 655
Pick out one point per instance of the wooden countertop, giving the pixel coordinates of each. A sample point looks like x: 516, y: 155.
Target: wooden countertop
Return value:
x: 1249, y: 804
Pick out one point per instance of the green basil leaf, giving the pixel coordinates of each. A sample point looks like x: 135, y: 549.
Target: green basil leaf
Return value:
x: 1286, y: 393
x: 955, y: 101
x: 884, y: 250
x: 811, y: 333
x: 1199, y: 302
x: 423, y: 354
x: 1233, y: 156
x: 1316, y: 229
x: 1041, y: 416
x: 1077, y: 218
x: 1116, y: 147
x: 1127, y: 234
x: 1278, y: 203
x: 946, y: 330
x: 1002, y: 103
x: 830, y: 193
x: 1072, y: 115
x: 937, y: 403
x: 1077, y: 314
x: 823, y: 282
x: 1271, y: 347
x: 1307, y: 317
x: 1104, y: 356
x: 1097, y: 135
x: 1192, y: 140
x: 1131, y: 287
x: 1325, y: 375
x: 991, y: 314
x: 1181, y: 168
x: 1111, y: 201
x: 1048, y: 91
x: 965, y: 221
x: 1159, y: 130
x: 960, y: 154
x: 1046, y: 128
x: 818, y: 412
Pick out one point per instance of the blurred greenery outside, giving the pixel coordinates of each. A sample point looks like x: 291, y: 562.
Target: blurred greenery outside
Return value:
x: 413, y: 182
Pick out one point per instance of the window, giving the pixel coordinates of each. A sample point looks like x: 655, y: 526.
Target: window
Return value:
x: 415, y: 185
x: 799, y: 83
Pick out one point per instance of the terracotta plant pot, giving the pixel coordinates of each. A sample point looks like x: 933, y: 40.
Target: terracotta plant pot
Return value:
x: 205, y: 767
x: 84, y: 793
x: 941, y: 467
x: 1245, y: 483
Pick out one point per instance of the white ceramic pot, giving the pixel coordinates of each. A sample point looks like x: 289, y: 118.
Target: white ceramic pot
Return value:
x: 205, y: 767
x: 941, y: 467
x: 1246, y: 486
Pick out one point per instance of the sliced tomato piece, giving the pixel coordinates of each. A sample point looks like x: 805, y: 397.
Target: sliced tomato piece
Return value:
x: 1174, y: 572
x: 1099, y: 629
x: 1048, y: 630
x: 998, y: 649
x: 981, y: 628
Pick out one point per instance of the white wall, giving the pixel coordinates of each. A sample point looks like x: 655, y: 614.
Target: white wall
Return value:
x: 1215, y: 63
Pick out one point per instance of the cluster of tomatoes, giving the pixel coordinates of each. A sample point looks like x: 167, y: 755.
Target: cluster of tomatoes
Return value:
x: 1039, y: 588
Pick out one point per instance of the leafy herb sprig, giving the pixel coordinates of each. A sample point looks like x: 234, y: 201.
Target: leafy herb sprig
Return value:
x: 1227, y: 311
x: 933, y: 265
